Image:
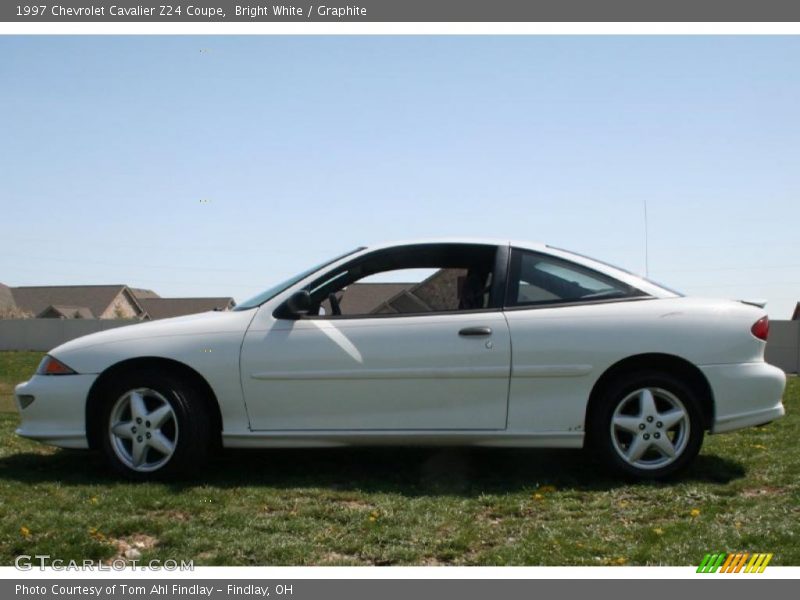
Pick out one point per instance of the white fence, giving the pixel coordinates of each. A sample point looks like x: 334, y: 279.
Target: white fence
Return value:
x: 783, y: 349
x: 45, y: 334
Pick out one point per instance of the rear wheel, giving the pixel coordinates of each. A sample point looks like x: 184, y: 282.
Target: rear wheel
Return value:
x: 154, y: 426
x: 648, y: 425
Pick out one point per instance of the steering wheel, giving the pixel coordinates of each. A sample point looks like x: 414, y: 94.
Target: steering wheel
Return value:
x: 336, y: 309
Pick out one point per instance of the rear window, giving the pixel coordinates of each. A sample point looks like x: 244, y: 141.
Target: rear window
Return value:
x: 539, y: 279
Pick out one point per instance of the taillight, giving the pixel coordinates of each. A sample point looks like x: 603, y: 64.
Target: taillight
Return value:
x: 51, y: 366
x: 760, y: 328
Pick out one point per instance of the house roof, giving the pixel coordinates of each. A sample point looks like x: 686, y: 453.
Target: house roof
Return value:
x: 796, y: 315
x: 96, y: 298
x: 6, y: 298
x: 66, y: 312
x: 142, y: 293
x: 364, y: 298
x: 164, y: 308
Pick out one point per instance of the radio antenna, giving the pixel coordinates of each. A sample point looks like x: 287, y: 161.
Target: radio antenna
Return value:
x: 646, y: 243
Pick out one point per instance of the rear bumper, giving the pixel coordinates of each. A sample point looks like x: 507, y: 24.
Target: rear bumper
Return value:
x: 57, y: 413
x: 745, y: 394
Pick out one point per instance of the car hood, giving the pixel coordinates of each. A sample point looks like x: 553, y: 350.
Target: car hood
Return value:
x: 211, y: 322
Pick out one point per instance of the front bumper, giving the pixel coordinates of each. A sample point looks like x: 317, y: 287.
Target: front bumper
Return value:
x: 57, y: 413
x: 745, y: 394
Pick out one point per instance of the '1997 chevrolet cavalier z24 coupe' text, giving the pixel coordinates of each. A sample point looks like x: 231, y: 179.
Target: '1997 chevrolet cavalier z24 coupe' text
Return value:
x: 483, y: 343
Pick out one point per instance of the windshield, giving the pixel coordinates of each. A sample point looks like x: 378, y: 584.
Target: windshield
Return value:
x: 283, y: 285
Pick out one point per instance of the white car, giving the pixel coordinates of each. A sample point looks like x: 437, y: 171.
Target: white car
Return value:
x: 459, y: 342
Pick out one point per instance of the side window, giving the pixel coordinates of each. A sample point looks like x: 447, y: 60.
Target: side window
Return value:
x: 536, y: 279
x: 410, y: 280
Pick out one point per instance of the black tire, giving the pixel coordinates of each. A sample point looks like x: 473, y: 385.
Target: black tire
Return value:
x: 618, y: 402
x: 188, y: 427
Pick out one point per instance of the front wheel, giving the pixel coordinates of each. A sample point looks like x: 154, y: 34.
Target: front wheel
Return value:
x: 154, y: 426
x: 648, y: 425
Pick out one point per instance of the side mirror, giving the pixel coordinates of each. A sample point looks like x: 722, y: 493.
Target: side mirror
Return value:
x: 298, y: 304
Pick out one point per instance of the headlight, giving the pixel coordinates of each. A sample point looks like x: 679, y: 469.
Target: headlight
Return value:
x: 51, y: 366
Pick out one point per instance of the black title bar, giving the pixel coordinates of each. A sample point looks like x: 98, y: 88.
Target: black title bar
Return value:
x: 404, y: 10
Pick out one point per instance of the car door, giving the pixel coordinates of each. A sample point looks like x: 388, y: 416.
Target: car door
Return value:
x: 433, y: 371
x: 561, y: 316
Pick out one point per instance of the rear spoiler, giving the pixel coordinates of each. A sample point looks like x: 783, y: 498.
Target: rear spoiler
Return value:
x: 758, y: 303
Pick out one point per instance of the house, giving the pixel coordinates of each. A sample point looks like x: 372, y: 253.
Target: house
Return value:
x: 100, y: 302
x: 796, y: 315
x: 164, y: 308
x: 8, y: 308
x: 366, y: 298
x: 437, y: 292
x: 79, y: 302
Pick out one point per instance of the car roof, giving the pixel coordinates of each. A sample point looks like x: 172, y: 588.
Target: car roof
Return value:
x: 483, y: 241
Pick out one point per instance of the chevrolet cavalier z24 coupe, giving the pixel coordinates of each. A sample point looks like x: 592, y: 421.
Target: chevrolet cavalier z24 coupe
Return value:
x: 455, y: 342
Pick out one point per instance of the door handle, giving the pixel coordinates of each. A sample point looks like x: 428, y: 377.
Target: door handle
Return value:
x: 475, y: 331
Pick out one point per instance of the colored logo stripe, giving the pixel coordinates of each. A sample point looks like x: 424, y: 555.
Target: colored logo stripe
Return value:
x: 711, y: 562
x: 758, y: 563
x: 726, y: 566
x: 701, y: 568
x: 734, y: 563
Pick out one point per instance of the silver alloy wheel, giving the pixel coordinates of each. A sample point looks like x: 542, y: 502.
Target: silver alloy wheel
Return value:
x: 143, y: 430
x: 650, y: 428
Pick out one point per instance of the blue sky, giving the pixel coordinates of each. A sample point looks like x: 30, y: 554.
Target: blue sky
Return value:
x: 219, y: 165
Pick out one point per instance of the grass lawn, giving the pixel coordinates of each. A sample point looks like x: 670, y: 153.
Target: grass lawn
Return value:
x: 404, y: 506
x: 14, y: 368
